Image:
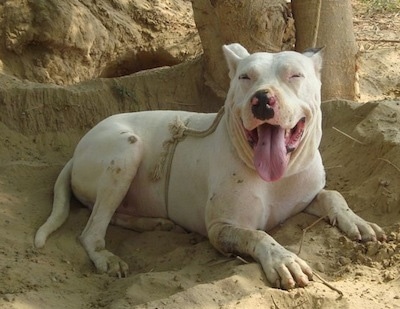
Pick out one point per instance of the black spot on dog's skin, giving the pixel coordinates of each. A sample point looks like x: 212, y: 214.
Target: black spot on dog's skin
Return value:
x: 132, y: 139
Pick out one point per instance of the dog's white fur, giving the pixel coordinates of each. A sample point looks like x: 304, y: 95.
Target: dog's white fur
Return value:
x: 214, y: 187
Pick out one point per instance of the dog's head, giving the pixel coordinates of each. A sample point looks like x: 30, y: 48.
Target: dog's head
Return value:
x: 273, y: 108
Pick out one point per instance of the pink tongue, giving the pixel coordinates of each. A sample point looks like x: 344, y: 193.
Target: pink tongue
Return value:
x: 270, y: 155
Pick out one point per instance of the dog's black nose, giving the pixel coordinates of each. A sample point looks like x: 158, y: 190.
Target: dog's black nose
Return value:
x: 262, y: 105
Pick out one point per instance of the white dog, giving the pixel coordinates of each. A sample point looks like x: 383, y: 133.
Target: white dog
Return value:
x: 258, y: 166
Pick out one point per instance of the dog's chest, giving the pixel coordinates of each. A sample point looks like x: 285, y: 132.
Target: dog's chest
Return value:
x: 281, y: 209
x: 289, y: 197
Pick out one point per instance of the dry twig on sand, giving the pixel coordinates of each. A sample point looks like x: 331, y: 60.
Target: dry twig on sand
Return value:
x: 390, y: 163
x: 379, y: 40
x: 328, y: 284
x: 314, y: 273
x: 347, y: 135
x: 305, y: 231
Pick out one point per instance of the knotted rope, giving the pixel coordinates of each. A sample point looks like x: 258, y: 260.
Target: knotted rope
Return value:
x: 179, y: 131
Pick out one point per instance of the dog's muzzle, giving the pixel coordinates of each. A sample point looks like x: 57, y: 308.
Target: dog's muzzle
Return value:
x: 263, y: 105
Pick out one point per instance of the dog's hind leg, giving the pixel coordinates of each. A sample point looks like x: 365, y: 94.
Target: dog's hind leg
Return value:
x: 112, y: 187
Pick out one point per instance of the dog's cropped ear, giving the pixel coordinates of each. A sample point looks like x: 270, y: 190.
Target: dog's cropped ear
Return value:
x: 316, y: 55
x: 233, y: 54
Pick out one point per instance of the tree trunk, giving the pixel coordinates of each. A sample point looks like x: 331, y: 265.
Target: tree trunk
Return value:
x: 258, y: 25
x: 335, y: 32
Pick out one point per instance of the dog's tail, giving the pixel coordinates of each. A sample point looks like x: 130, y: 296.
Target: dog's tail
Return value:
x: 60, y: 212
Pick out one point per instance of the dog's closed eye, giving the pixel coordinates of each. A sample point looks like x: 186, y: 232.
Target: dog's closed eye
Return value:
x: 244, y: 76
x: 296, y: 75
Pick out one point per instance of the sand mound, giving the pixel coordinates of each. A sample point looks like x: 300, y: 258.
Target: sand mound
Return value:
x: 66, y: 42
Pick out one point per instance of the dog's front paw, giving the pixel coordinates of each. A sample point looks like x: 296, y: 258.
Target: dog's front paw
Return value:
x: 357, y: 228
x: 285, y: 269
x: 106, y: 262
x: 332, y: 204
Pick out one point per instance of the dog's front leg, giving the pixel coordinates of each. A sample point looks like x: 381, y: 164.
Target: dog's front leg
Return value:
x: 283, y: 268
x: 333, y: 205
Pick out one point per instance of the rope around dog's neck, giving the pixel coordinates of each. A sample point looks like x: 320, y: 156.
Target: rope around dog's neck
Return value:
x: 179, y: 131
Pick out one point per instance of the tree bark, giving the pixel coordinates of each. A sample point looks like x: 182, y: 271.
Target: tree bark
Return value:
x: 335, y: 32
x: 258, y: 25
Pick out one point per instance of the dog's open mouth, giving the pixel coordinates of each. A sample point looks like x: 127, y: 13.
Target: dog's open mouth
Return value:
x: 272, y: 146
